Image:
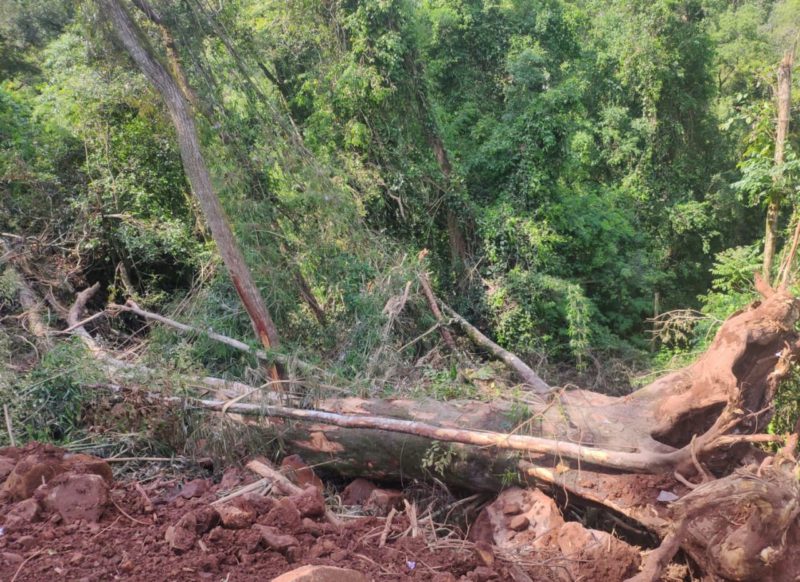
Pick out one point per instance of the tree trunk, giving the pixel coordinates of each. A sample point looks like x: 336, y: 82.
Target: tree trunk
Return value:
x: 781, y: 133
x: 702, y: 418
x: 194, y: 165
x: 531, y: 379
x: 458, y: 244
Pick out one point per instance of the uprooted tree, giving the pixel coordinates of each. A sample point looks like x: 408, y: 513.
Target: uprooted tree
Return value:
x: 695, y: 431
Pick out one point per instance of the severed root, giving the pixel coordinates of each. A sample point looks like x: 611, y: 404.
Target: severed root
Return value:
x: 660, y: 557
x: 740, y: 527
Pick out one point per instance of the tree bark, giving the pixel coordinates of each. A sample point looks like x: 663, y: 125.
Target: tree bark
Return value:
x: 702, y: 418
x: 458, y: 244
x: 437, y: 313
x: 194, y: 165
x: 781, y: 133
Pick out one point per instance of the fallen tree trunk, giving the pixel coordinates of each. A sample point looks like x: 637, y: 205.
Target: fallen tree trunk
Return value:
x: 620, y: 453
x: 657, y: 429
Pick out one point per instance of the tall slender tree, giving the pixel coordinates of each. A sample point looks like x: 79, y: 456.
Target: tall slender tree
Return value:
x: 180, y: 111
x: 784, y: 94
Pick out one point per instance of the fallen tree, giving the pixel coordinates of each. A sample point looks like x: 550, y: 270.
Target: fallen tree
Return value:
x: 685, y: 435
x: 619, y: 453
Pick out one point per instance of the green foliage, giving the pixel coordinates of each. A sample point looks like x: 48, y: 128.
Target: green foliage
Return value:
x: 732, y: 286
x: 48, y: 404
x: 528, y: 304
x: 439, y: 457
x: 570, y: 166
x: 787, y: 405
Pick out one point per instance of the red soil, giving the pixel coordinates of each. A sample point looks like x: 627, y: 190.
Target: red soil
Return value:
x: 38, y: 544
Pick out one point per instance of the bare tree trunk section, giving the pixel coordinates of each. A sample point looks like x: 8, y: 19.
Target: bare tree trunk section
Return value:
x: 437, y: 313
x: 194, y: 165
x: 520, y: 368
x: 781, y: 133
x: 458, y: 244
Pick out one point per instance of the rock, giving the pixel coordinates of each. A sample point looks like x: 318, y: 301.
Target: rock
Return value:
x: 536, y: 514
x: 254, y: 503
x: 204, y: 519
x: 180, y: 539
x: 6, y: 466
x: 321, y: 548
x: 596, y: 555
x: 89, y: 465
x: 274, y: 540
x: 194, y: 488
x: 76, y: 496
x: 183, y: 535
x: 310, y: 502
x: 230, y: 479
x: 321, y: 574
x: 30, y: 472
x: 357, y: 492
x: 312, y: 527
x: 42, y: 463
x: 381, y: 501
x: 27, y: 511
x: 298, y: 471
x: 284, y: 515
x: 233, y: 517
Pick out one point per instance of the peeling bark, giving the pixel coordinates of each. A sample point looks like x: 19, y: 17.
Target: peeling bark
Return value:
x: 179, y: 111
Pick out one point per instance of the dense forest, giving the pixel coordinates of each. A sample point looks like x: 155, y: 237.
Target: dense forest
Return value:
x: 573, y: 168
x: 582, y: 189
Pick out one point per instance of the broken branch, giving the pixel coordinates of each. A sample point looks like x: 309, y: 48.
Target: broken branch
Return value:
x: 526, y: 374
x: 132, y: 307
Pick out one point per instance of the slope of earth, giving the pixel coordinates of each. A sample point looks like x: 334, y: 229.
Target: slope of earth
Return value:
x: 63, y: 516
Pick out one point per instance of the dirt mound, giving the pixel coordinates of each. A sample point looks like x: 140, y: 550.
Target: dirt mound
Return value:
x: 37, y: 464
x: 165, y: 530
x: 522, y: 523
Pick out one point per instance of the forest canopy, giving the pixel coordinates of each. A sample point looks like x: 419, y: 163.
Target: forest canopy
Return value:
x: 566, y: 171
x: 538, y: 249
